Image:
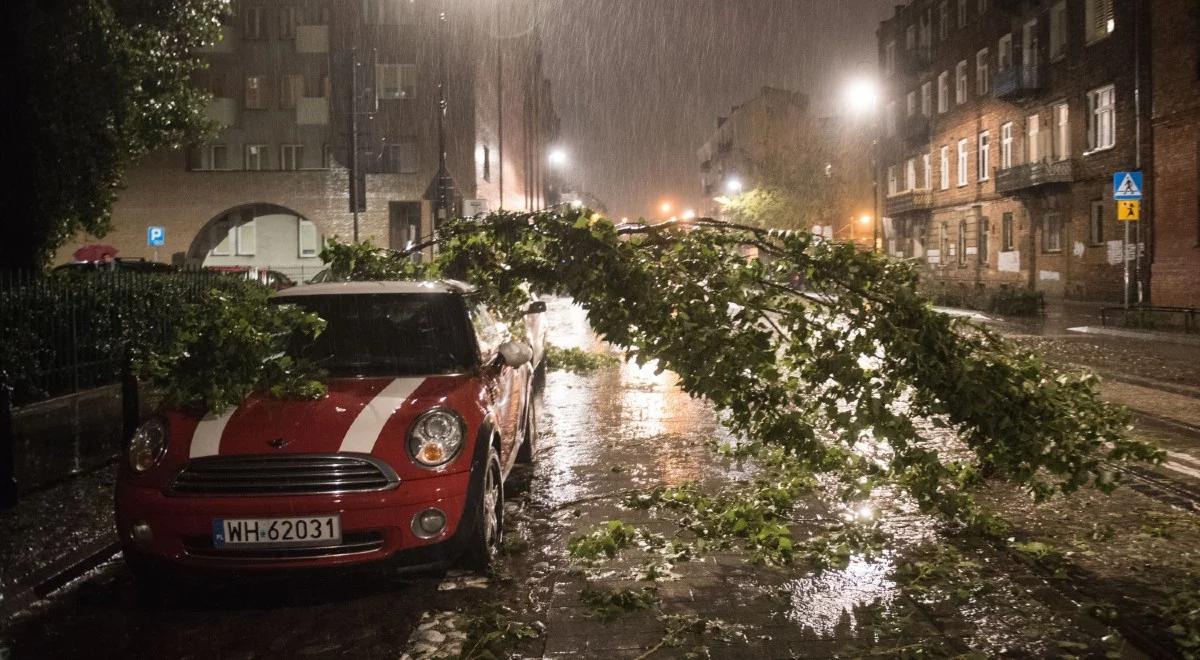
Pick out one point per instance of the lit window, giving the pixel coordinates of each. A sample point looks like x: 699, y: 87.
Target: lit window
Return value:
x: 926, y: 169
x: 944, y: 165
x: 985, y: 152
x: 1006, y: 146
x: 1062, y: 132
x: 1033, y: 127
x: 1102, y: 118
x: 1098, y: 19
x: 963, y: 175
x: 943, y: 91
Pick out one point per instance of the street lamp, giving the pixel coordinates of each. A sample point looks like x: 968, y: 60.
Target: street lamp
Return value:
x: 733, y: 186
x: 558, y: 157
x: 861, y: 97
x: 689, y: 214
x: 665, y: 207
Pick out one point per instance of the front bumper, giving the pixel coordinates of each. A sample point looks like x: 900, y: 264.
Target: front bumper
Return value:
x: 376, y: 526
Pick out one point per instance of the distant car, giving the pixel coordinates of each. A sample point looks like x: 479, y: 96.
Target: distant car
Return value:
x: 272, y: 278
x: 119, y: 264
x: 403, y: 460
x: 325, y: 275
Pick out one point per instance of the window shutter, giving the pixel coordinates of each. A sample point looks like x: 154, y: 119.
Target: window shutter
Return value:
x: 245, y: 238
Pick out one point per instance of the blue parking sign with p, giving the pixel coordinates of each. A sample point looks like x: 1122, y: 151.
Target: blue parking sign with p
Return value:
x: 156, y: 236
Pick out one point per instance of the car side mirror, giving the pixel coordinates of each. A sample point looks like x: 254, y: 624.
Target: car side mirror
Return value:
x: 536, y: 307
x: 515, y: 353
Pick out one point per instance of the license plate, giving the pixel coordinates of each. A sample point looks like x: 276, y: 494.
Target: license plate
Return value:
x: 307, y: 531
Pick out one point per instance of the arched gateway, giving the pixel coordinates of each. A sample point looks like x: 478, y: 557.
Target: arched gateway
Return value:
x: 259, y: 236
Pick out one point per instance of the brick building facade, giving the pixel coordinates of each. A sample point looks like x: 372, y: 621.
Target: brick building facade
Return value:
x: 275, y: 178
x: 1175, y: 26
x: 1002, y: 123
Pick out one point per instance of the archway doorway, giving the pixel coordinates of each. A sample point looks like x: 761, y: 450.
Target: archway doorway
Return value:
x: 259, y: 237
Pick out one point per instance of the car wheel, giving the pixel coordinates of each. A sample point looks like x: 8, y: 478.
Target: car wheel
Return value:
x: 484, y: 542
x: 150, y: 581
x: 525, y: 451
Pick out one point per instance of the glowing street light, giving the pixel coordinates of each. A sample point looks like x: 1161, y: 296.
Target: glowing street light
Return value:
x: 558, y: 157
x: 689, y: 214
x: 860, y: 96
x: 865, y: 219
x: 733, y: 186
x: 665, y: 208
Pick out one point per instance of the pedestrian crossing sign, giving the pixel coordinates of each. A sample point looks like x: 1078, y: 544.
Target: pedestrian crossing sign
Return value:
x: 1127, y: 185
x: 1129, y: 210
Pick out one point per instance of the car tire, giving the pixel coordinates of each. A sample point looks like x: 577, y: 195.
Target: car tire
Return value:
x: 525, y: 451
x: 151, y: 582
x: 487, y: 532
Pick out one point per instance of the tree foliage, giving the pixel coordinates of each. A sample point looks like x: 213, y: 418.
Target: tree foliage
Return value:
x: 101, y: 83
x: 852, y: 372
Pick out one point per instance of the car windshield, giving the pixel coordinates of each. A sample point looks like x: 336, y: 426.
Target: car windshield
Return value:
x: 389, y: 334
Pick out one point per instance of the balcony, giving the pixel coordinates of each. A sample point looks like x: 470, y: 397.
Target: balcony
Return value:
x: 1033, y: 175
x: 1017, y: 83
x: 909, y: 201
x: 312, y: 38
x: 222, y: 110
x: 312, y: 111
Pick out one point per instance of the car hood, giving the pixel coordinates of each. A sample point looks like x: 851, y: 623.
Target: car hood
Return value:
x: 362, y: 415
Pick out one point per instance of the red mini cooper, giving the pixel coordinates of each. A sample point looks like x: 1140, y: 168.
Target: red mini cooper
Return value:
x: 404, y: 459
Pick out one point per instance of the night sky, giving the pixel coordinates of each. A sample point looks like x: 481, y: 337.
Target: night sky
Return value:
x: 639, y: 83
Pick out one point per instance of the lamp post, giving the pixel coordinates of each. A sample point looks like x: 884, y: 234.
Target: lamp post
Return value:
x: 862, y: 96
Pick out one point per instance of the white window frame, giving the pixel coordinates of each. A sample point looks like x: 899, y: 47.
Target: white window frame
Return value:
x: 1006, y: 146
x: 960, y: 83
x: 308, y: 239
x: 1102, y: 118
x: 926, y: 171
x: 982, y: 79
x: 964, y: 175
x: 256, y: 155
x: 291, y: 156
x: 1059, y: 34
x: 256, y: 92
x: 910, y: 174
x: 224, y: 246
x: 893, y: 185
x: 208, y: 157
x: 944, y: 163
x: 1004, y: 53
x: 1061, y: 115
x: 943, y: 92
x: 1052, y: 221
x: 1098, y: 20
x: 247, y: 238
x: 927, y: 99
x: 912, y: 103
x: 984, y: 159
x: 1033, y: 129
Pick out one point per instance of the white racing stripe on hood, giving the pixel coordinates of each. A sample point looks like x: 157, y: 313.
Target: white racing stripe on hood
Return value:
x: 206, y: 440
x: 364, y: 432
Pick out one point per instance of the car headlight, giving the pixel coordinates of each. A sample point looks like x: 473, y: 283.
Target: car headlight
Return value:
x: 148, y: 445
x: 435, y: 438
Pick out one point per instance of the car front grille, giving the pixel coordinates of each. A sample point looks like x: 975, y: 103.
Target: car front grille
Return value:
x: 353, y: 543
x: 297, y: 474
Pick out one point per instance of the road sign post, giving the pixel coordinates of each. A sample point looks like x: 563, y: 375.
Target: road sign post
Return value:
x: 1127, y: 192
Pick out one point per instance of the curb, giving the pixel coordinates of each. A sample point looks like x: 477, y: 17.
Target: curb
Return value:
x: 47, y: 581
x: 1141, y: 335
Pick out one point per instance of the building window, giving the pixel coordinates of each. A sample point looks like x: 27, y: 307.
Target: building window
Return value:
x: 1004, y: 59
x: 985, y: 159
x: 1096, y: 223
x: 960, y: 83
x: 927, y: 99
x: 397, y: 81
x: 291, y: 156
x: 246, y: 235
x: 944, y: 164
x: 944, y: 243
x: 962, y: 13
x: 401, y: 157
x: 910, y: 174
x: 256, y: 92
x: 487, y: 163
x: 927, y: 171
x: 1032, y: 136
x: 889, y: 120
x: 209, y: 157
x: 982, y: 80
x: 912, y: 103
x: 893, y: 185
x: 256, y: 157
x: 309, y: 241
x: 1006, y: 146
x: 962, y: 242
x: 889, y: 58
x: 982, y: 240
x: 1052, y: 232
x: 943, y: 91
x: 962, y: 163
x: 1062, y: 131
x: 1006, y: 232
x: 910, y: 37
x: 1098, y: 19
x: 287, y: 22
x: 253, y: 23
x: 291, y: 88
x: 1058, y: 30
x: 1102, y: 124
x: 944, y: 20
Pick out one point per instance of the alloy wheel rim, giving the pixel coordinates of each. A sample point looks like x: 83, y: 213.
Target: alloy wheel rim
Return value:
x: 491, y: 497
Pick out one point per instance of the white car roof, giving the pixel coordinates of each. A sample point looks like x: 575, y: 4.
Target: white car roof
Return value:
x: 352, y: 288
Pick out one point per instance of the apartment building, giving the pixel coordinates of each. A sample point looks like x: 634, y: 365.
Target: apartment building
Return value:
x: 1175, y: 25
x: 772, y: 139
x: 370, y: 120
x: 1002, y: 124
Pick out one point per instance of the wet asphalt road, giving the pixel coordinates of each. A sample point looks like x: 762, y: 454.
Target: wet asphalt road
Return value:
x: 600, y: 435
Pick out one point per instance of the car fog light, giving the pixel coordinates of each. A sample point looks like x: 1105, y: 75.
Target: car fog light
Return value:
x: 429, y: 523
x: 141, y: 533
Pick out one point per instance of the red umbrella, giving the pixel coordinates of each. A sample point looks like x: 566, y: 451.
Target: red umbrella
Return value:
x: 95, y: 252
